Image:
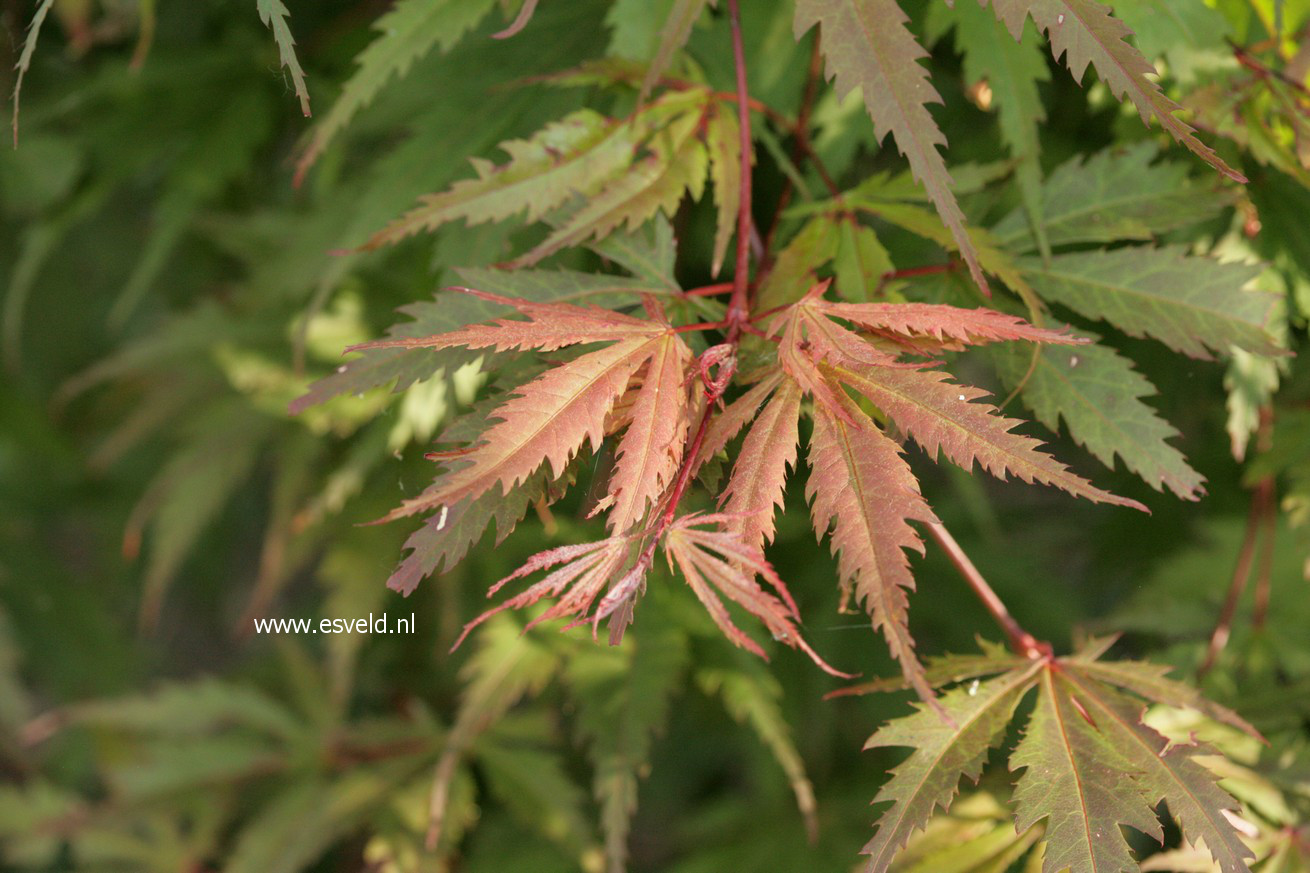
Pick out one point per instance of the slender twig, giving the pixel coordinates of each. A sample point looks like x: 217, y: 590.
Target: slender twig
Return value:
x: 1265, y: 566
x: 1241, y: 574
x: 1022, y: 642
x: 738, y: 304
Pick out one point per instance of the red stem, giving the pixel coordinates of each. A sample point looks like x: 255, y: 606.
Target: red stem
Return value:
x: 1223, y: 627
x: 1022, y: 642
x: 738, y: 304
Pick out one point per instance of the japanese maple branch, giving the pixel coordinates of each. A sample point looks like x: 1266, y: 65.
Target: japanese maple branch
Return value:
x: 1022, y: 642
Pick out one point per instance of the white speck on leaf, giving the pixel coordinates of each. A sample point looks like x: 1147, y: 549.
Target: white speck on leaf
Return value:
x: 1074, y: 360
x: 973, y: 688
x: 441, y: 519
x: 1059, y: 19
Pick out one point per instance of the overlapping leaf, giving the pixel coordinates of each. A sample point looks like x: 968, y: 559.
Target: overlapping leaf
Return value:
x: 1090, y: 764
x: 1099, y: 396
x: 623, y: 171
x: 867, y: 45
x: 1114, y: 195
x: 1085, y: 33
x: 549, y: 418
x: 1194, y: 305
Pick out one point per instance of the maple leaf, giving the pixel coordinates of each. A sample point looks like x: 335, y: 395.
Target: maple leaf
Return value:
x: 867, y: 45
x: 718, y: 562
x: 861, y: 488
x: 406, y: 33
x: 673, y: 36
x: 723, y: 142
x: 651, y: 449
x: 623, y: 171
x: 1098, y: 395
x: 942, y: 416
x: 274, y: 14
x: 760, y: 472
x: 1114, y: 195
x: 1090, y: 764
x: 950, y: 326
x: 549, y: 418
x: 1085, y: 32
x: 1194, y: 305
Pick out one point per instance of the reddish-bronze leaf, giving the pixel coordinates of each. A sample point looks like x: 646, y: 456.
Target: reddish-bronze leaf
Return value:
x: 550, y: 326
x: 940, y: 415
x: 651, y: 449
x: 581, y: 570
x: 949, y: 326
x: 861, y: 489
x: 718, y: 562
x: 760, y: 474
x: 734, y: 417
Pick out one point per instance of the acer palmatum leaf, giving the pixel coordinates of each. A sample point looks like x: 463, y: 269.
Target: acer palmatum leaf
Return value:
x: 759, y: 476
x: 718, y: 562
x: 866, y: 44
x: 942, y: 753
x: 862, y: 491
x: 722, y: 141
x: 549, y: 418
x: 1091, y: 765
x: 1086, y: 32
x: 942, y: 416
x: 948, y: 325
x: 582, y: 570
x: 736, y: 415
x: 550, y: 326
x: 652, y: 446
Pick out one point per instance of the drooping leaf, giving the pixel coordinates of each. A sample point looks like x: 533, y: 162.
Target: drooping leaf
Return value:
x: 1011, y: 70
x: 407, y: 32
x: 755, y: 490
x: 274, y: 14
x: 941, y: 415
x: 942, y: 753
x: 751, y: 694
x: 718, y: 563
x: 867, y: 45
x: 1114, y: 195
x: 1194, y: 305
x: 651, y: 448
x: 1099, y: 397
x: 1085, y: 33
x: 861, y: 489
x: 507, y: 665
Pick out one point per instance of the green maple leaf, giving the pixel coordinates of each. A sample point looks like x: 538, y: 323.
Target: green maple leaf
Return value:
x: 867, y: 45
x: 1089, y: 763
x: 1194, y: 305
x: 1114, y: 195
x: 1098, y: 395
